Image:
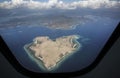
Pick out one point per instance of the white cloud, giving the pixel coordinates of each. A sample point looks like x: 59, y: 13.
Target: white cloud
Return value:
x: 31, y: 4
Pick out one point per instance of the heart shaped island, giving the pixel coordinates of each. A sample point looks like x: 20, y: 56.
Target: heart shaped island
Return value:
x: 48, y: 53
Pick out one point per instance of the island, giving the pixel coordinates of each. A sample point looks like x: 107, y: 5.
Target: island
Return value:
x: 48, y: 53
x: 57, y: 21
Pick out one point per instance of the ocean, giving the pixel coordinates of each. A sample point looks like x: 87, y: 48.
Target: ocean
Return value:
x: 93, y: 36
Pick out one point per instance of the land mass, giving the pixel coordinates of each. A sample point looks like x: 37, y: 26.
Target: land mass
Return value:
x: 51, y: 21
x: 51, y: 52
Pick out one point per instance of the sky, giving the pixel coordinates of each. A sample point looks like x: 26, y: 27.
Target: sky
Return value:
x: 60, y: 4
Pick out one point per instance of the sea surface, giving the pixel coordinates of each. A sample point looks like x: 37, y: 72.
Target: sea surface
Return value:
x: 93, y: 36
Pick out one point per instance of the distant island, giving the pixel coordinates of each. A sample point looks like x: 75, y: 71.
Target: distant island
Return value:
x: 51, y: 21
x: 48, y: 53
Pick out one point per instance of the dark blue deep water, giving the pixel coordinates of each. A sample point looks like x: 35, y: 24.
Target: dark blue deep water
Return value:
x: 93, y: 36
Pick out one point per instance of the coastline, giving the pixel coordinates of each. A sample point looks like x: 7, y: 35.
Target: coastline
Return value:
x: 41, y: 64
x: 33, y: 58
x: 72, y: 27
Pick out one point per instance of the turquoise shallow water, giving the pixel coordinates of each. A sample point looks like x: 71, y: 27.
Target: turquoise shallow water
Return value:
x: 94, y: 35
x: 40, y: 62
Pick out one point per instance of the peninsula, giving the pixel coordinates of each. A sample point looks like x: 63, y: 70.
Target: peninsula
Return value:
x: 50, y: 52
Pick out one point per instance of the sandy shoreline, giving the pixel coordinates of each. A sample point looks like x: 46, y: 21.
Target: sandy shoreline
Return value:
x: 40, y: 63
